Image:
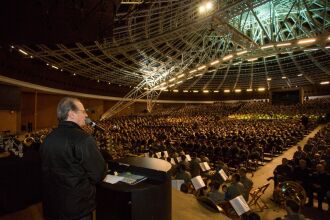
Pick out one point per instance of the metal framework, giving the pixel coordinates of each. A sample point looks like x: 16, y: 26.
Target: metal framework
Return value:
x: 156, y: 41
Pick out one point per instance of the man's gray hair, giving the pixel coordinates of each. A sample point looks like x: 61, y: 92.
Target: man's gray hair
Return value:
x: 64, y: 106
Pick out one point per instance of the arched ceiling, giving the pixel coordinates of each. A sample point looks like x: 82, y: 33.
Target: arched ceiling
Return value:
x: 154, y: 41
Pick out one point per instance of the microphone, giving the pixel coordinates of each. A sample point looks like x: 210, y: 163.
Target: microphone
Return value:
x: 94, y: 125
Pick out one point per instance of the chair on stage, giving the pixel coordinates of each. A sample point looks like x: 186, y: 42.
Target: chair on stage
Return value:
x: 256, y: 199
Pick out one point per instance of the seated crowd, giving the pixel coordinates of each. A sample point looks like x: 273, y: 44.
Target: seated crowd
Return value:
x: 310, y: 167
x: 216, y: 134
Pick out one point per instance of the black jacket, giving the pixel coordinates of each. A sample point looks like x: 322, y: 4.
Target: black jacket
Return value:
x: 71, y: 166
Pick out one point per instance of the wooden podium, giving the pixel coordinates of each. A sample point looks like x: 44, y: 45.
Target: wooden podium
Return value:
x: 147, y: 200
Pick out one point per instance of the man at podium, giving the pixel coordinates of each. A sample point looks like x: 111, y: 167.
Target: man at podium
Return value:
x: 71, y: 166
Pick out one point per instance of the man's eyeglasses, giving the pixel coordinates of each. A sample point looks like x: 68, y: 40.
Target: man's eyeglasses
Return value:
x: 83, y: 111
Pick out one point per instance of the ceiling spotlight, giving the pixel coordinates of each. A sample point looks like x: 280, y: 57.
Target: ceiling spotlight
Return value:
x: 202, y: 9
x: 241, y: 52
x: 185, y: 91
x: 269, y: 79
x: 228, y: 57
x: 307, y: 41
x: 249, y: 90
x: 283, y: 44
x: 252, y: 59
x: 201, y: 67
x: 195, y: 91
x: 171, y: 80
x: 179, y: 82
x: 192, y: 71
x: 300, y: 74
x: 74, y: 74
x: 269, y: 56
x: 209, y: 6
x: 261, y: 89
x: 226, y: 91
x: 312, y: 49
x: 180, y: 76
x: 55, y: 67
x: 22, y: 51
x: 324, y: 83
x: 214, y: 62
x: 283, y: 77
x: 238, y: 90
x: 267, y: 46
x: 175, y: 90
x: 205, y: 91
x: 206, y: 7
x: 216, y: 91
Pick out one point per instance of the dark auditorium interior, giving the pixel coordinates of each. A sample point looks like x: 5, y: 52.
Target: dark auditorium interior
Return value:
x: 223, y: 106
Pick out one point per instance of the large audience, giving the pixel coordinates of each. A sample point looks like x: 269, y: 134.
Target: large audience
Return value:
x: 231, y: 137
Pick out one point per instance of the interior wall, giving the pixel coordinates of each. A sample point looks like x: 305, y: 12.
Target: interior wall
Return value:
x: 46, y: 110
x: 27, y: 110
x: 9, y: 121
